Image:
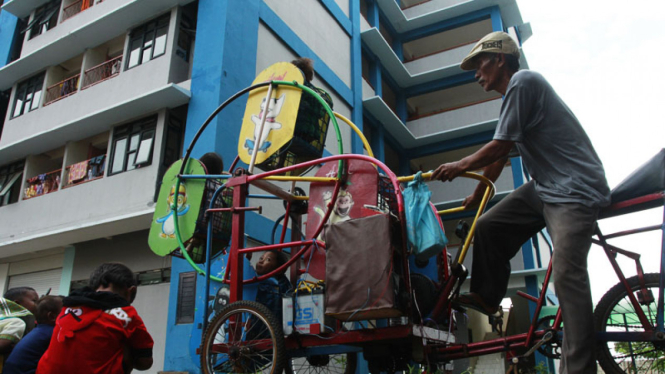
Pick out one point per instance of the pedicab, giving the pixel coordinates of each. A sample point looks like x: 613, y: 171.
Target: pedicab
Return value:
x: 356, y: 289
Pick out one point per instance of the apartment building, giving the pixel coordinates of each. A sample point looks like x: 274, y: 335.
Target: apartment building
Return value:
x: 100, y: 97
x: 95, y: 102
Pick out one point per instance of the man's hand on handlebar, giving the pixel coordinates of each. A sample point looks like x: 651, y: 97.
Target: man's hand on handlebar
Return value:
x: 447, y: 172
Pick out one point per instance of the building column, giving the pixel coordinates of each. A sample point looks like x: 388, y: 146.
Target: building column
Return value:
x: 67, y: 270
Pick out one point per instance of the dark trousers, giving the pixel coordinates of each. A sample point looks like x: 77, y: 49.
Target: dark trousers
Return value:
x: 499, y: 235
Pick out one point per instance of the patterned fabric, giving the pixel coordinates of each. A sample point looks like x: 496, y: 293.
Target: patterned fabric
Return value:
x: 78, y: 171
x: 10, y: 309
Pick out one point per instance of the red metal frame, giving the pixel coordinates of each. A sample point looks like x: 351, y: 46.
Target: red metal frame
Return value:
x: 234, y: 276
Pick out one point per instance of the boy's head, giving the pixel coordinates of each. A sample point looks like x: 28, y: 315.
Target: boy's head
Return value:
x: 306, y: 65
x: 213, y: 163
x: 114, y: 277
x: 48, y: 308
x: 270, y: 261
x: 24, y: 296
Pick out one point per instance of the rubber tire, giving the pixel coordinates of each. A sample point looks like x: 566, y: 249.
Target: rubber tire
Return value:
x: 264, y: 315
x: 305, y: 368
x: 609, y: 301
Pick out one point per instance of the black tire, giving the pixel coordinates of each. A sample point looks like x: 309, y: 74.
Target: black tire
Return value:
x: 342, y: 363
x: 615, y: 313
x: 258, y: 326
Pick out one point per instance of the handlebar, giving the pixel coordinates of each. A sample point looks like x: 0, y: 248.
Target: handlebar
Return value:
x: 487, y: 196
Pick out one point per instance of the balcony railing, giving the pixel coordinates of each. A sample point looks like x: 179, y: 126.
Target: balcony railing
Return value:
x: 102, y: 72
x: 42, y: 184
x: 62, y: 89
x: 76, y: 8
x: 84, y: 171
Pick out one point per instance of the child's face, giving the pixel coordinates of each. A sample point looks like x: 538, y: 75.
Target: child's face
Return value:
x: 267, y: 263
x: 29, y: 301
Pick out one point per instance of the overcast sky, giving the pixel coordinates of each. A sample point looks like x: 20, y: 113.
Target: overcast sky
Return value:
x: 604, y: 59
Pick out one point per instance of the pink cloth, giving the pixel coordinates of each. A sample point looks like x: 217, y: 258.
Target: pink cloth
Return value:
x: 78, y: 171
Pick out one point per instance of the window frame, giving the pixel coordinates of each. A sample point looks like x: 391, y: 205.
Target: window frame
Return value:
x: 10, y: 177
x: 33, y: 83
x: 148, y: 33
x: 36, y: 26
x: 145, y: 128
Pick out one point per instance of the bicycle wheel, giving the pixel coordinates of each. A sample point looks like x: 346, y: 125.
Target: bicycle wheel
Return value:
x: 243, y: 338
x: 615, y: 313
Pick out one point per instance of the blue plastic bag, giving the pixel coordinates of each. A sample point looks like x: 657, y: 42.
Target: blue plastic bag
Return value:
x: 425, y: 235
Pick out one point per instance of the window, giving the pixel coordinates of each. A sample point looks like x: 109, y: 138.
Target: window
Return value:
x: 10, y: 183
x: 28, y: 95
x: 132, y: 145
x: 148, y: 41
x: 46, y: 17
x: 186, y: 298
x: 185, y: 38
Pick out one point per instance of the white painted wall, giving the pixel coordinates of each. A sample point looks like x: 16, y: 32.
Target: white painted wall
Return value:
x: 109, y: 198
x: 437, y: 61
x: 152, y: 304
x: 271, y: 50
x: 455, y: 119
x: 312, y: 23
x: 431, y: 6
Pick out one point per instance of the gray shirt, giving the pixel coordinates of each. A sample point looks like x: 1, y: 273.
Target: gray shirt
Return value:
x: 556, y: 151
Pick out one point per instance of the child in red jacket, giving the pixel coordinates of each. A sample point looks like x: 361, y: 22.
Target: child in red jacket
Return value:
x: 98, y: 331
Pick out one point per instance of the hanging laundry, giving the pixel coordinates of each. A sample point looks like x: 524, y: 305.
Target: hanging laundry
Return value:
x: 78, y: 171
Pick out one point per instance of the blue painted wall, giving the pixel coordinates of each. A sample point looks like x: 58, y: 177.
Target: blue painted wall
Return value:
x: 7, y: 30
x: 224, y: 63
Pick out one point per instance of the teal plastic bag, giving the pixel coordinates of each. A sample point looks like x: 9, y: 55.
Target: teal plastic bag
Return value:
x: 425, y: 235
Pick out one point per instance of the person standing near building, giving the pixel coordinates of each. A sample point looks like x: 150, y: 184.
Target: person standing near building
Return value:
x: 28, y: 351
x: 566, y: 192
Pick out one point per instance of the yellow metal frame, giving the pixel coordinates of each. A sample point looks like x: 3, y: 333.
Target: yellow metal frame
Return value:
x: 487, y: 196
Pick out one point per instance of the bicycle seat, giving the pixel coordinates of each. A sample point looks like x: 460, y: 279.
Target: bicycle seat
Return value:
x: 642, y: 189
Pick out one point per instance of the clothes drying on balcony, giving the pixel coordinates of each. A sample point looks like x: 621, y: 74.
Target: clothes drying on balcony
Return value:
x: 78, y: 171
x: 97, y: 166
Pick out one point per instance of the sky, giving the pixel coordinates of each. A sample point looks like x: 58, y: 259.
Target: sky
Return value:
x: 605, y: 60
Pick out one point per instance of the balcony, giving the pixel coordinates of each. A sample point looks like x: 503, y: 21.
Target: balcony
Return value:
x: 107, y: 95
x: 62, y: 89
x: 75, y: 8
x: 88, y: 204
x: 87, y: 30
x: 84, y: 171
x: 458, y: 122
x: 102, y: 72
x: 431, y: 12
x: 42, y: 184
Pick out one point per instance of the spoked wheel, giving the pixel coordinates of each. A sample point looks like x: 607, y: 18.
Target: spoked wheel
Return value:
x: 343, y: 363
x: 243, y: 338
x: 552, y: 348
x: 615, y: 313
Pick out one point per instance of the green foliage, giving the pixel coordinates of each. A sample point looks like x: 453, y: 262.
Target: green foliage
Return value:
x: 649, y: 358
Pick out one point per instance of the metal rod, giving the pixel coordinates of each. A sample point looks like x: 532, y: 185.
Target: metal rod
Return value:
x: 257, y: 142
